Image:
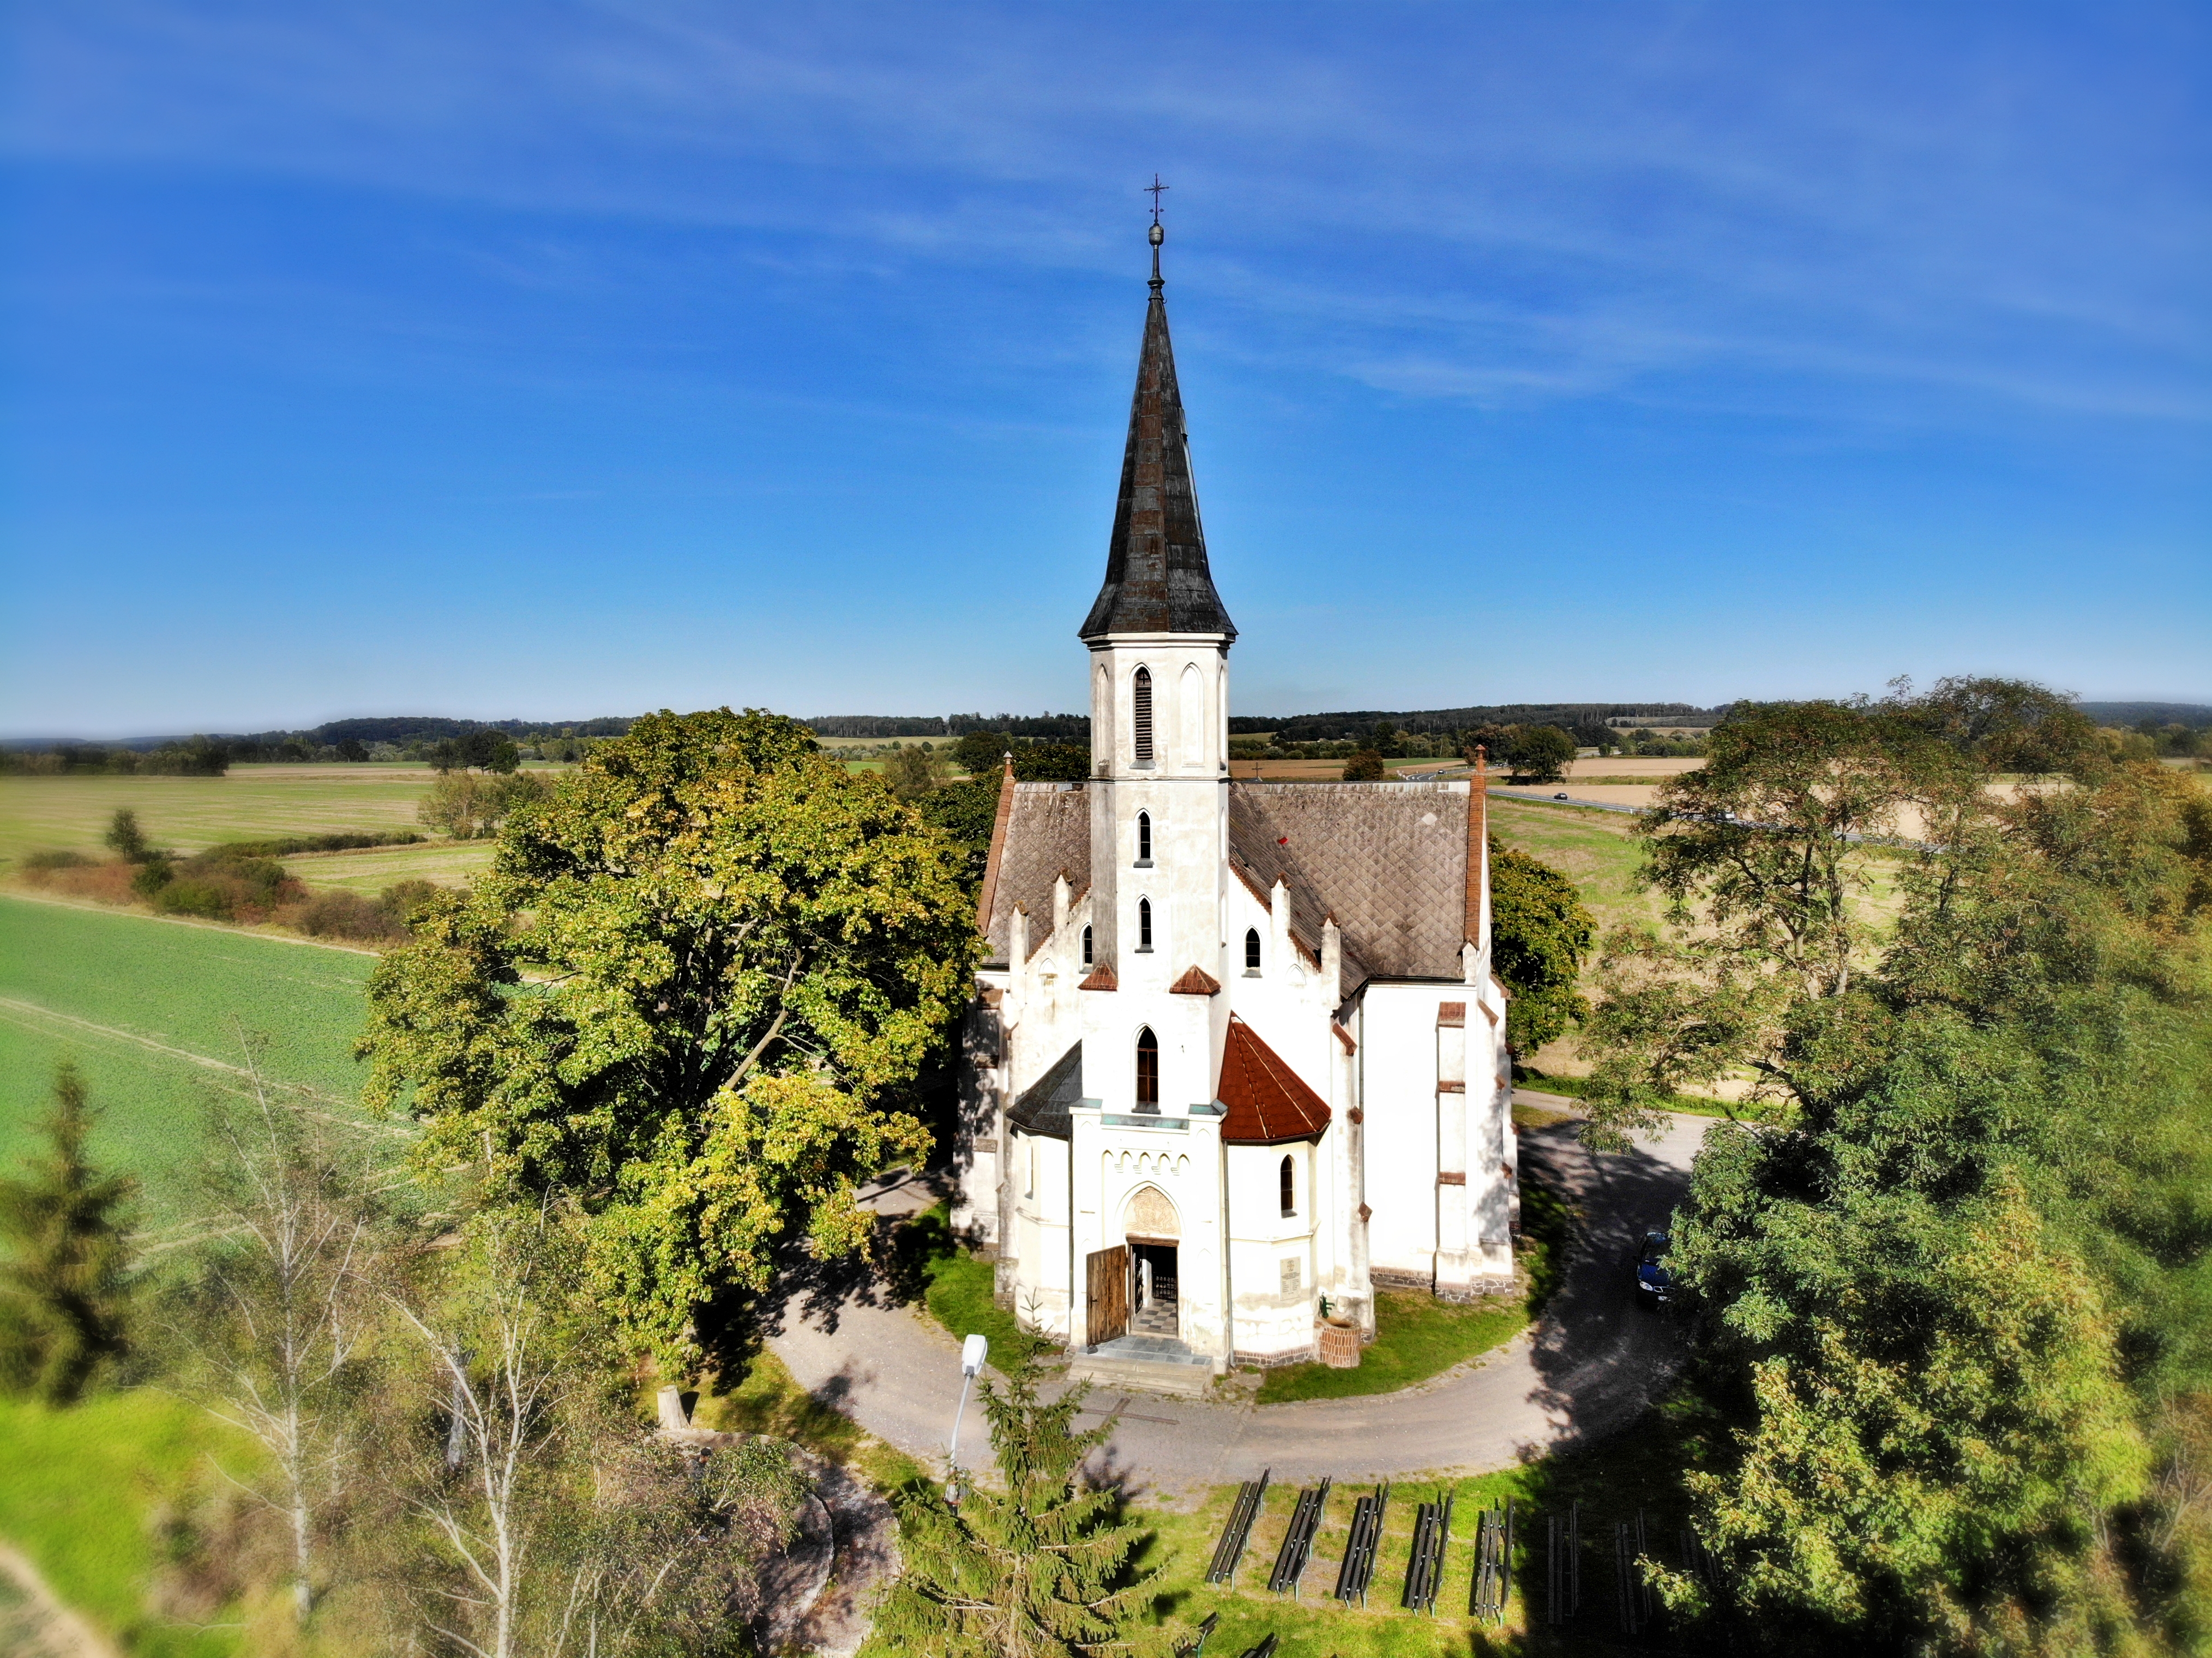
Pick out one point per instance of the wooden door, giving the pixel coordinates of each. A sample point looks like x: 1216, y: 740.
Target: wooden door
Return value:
x: 1109, y: 1294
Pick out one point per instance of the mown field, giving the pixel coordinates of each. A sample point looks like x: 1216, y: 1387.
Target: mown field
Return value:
x: 152, y: 1011
x: 189, y: 813
x: 254, y: 802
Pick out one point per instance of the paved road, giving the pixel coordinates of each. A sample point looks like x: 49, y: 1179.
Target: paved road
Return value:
x: 1592, y: 1361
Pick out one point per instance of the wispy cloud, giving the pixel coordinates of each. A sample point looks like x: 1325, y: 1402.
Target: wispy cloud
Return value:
x: 1479, y: 202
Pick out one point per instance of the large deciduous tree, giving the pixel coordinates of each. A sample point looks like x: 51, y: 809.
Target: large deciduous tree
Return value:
x: 1955, y: 1285
x: 1538, y: 754
x: 1540, y: 934
x: 690, y: 992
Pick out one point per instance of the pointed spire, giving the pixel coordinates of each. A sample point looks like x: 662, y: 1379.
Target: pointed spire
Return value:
x: 1157, y: 580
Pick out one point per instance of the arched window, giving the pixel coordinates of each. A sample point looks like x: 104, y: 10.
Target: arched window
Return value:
x: 1086, y: 946
x: 1144, y: 837
x: 1251, y: 950
x: 1140, y: 715
x: 1144, y: 924
x: 1148, y: 1070
x: 1290, y: 1179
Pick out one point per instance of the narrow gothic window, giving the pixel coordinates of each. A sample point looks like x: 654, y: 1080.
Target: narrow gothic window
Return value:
x: 1144, y: 837
x: 1140, y: 698
x: 1251, y: 950
x: 1086, y: 946
x: 1148, y: 1069
x: 1290, y: 1184
x: 1144, y: 924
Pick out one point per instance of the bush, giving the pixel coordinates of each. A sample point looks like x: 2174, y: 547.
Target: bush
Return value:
x: 347, y: 916
x: 1365, y: 766
x: 54, y: 859
x: 212, y: 901
x: 290, y: 846
x: 350, y: 915
x: 216, y: 889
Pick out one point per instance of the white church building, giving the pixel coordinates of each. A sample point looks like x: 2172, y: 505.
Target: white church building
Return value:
x: 1237, y: 1056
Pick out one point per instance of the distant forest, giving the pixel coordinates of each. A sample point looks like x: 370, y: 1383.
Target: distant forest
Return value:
x: 411, y: 731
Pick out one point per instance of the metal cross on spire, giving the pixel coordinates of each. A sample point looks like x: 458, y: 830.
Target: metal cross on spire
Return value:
x: 1156, y: 234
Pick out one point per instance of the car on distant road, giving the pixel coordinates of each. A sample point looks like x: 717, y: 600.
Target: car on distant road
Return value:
x: 1647, y: 1263
x: 1561, y: 795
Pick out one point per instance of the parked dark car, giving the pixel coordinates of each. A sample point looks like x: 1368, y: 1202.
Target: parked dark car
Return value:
x: 1648, y: 1261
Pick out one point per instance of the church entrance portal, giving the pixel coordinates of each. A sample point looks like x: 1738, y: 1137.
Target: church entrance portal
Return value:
x: 1154, y: 1309
x: 1153, y: 1230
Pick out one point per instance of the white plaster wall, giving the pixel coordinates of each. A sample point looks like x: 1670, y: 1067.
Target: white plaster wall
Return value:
x: 1397, y: 1062
x: 1041, y: 1281
x: 1271, y: 1322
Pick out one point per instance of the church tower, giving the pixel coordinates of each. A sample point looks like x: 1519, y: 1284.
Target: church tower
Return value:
x: 1158, y: 637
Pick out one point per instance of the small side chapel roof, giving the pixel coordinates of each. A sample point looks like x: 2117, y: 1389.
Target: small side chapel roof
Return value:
x: 1267, y: 1103
x: 1043, y: 1106
x: 1047, y: 833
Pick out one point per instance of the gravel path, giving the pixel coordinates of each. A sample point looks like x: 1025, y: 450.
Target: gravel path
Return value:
x: 1591, y: 1363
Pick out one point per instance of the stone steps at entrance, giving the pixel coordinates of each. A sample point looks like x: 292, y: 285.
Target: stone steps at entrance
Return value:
x: 1154, y: 1364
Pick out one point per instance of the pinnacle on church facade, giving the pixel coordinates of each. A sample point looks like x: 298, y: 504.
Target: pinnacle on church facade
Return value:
x: 1157, y: 580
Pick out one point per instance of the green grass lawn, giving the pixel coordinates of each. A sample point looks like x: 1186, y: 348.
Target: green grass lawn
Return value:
x: 1417, y: 1337
x: 113, y: 989
x: 927, y: 1261
x: 77, y: 1489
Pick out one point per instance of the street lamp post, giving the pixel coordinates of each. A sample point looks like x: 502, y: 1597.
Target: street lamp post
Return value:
x: 972, y: 1352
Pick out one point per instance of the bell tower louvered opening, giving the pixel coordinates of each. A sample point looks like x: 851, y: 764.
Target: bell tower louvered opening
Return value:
x: 1141, y: 715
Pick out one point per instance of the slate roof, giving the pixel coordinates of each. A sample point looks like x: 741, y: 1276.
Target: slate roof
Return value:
x: 1047, y: 832
x: 1267, y: 1103
x: 1157, y: 580
x: 1043, y: 1106
x: 1388, y: 860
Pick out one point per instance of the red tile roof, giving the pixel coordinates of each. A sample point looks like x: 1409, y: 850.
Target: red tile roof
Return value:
x: 1195, y: 981
x: 1102, y: 978
x: 1267, y: 1103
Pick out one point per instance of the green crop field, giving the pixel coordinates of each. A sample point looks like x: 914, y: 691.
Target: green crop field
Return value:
x: 146, y: 1007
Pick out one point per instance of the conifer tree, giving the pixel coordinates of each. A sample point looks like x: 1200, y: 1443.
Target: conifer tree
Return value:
x: 67, y: 1230
x: 1040, y: 1570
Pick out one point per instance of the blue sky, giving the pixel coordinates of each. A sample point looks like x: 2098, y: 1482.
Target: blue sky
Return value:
x: 555, y: 361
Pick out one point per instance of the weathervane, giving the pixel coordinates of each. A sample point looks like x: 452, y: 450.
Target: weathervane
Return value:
x: 1158, y: 235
